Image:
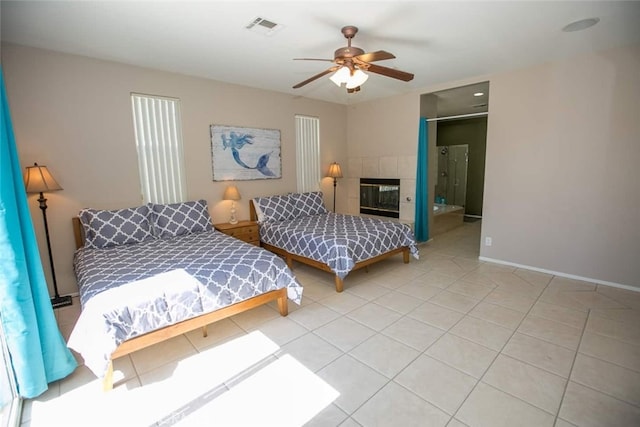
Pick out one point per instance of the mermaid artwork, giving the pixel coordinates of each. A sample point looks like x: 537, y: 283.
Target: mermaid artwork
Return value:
x: 235, y: 142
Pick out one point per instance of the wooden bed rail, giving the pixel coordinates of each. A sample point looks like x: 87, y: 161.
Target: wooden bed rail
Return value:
x: 157, y: 336
x: 253, y: 215
x: 78, y: 232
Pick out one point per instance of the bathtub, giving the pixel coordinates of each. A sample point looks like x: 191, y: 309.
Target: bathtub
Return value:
x: 446, y: 217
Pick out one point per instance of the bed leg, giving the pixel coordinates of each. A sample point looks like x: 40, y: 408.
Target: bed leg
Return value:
x: 405, y: 255
x: 289, y: 262
x: 339, y: 284
x: 107, y: 382
x: 204, y: 331
x: 283, y: 306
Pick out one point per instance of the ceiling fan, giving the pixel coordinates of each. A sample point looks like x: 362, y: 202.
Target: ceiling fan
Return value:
x: 351, y: 62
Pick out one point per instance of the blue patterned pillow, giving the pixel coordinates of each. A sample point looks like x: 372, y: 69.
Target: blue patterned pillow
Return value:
x: 276, y: 208
x: 181, y: 218
x: 310, y: 203
x: 105, y: 228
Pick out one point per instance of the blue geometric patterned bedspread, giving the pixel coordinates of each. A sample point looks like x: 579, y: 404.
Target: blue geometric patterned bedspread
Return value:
x: 338, y: 240
x: 128, y: 290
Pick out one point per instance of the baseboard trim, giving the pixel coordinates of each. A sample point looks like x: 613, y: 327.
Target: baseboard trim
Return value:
x: 561, y: 274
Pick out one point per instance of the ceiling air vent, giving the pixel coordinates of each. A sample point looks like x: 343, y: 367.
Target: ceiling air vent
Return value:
x: 263, y: 26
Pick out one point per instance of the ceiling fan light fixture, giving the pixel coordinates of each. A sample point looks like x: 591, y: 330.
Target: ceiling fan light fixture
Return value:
x: 341, y: 76
x: 357, y: 79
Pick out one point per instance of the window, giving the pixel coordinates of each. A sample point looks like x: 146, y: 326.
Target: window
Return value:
x: 158, y: 132
x: 308, y: 153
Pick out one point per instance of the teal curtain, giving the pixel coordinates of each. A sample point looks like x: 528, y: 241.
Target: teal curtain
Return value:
x: 38, y: 351
x: 422, y: 190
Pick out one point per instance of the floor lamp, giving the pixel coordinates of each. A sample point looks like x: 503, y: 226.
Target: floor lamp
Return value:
x: 334, y: 172
x: 38, y: 179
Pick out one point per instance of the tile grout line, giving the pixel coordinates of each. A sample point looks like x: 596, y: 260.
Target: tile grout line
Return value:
x: 608, y: 361
x: 573, y: 362
x: 389, y: 380
x: 597, y: 358
x: 420, y: 353
x: 500, y: 352
x: 423, y: 353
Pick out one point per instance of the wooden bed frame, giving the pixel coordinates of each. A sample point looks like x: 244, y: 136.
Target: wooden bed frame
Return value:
x: 289, y: 257
x: 201, y: 321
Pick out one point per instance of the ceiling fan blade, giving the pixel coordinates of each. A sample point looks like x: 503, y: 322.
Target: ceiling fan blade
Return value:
x: 390, y: 72
x: 379, y: 55
x: 317, y: 76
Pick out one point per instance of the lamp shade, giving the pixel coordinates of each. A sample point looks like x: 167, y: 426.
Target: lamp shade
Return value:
x: 335, y: 171
x: 38, y: 179
x: 341, y: 76
x: 231, y: 193
x: 358, y: 78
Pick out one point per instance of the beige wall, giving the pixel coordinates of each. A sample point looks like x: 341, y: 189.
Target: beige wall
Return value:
x: 562, y: 188
x: 73, y: 114
x: 562, y: 165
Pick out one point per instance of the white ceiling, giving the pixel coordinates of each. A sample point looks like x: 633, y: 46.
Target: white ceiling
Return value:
x: 438, y: 41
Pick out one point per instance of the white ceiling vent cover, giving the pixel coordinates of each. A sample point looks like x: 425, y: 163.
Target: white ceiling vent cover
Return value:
x: 263, y: 26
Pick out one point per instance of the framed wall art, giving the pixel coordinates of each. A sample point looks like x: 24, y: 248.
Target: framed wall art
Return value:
x: 241, y: 153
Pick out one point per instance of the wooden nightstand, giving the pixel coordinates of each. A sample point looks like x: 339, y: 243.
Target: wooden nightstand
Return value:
x: 246, y: 231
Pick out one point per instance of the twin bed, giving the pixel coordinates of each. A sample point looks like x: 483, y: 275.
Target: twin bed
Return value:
x: 153, y: 272
x: 298, y: 227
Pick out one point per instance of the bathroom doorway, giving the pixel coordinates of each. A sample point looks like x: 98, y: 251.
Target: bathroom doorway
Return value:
x: 456, y: 117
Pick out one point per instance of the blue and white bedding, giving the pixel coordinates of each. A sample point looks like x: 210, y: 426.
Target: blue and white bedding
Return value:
x: 131, y: 289
x: 338, y: 240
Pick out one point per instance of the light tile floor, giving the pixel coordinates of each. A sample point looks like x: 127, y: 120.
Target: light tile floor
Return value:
x: 444, y: 341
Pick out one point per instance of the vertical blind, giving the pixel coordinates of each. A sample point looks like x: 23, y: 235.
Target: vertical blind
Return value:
x: 308, y: 153
x: 158, y: 132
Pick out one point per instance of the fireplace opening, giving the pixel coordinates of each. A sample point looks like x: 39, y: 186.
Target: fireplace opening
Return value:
x: 380, y: 196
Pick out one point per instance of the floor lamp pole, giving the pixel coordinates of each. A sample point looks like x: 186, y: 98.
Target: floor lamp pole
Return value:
x: 57, y: 300
x: 335, y: 181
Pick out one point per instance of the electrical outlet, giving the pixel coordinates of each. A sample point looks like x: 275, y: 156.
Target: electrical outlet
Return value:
x: 488, y: 241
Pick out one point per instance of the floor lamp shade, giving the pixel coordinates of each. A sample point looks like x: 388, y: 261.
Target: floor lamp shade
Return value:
x: 334, y: 172
x: 38, y: 179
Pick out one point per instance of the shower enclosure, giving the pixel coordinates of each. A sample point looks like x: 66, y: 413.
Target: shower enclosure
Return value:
x: 451, y: 188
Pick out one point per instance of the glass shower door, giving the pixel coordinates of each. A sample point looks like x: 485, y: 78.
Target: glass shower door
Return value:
x: 452, y: 174
x: 457, y: 185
